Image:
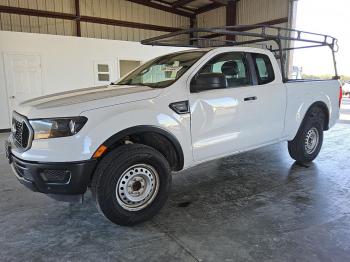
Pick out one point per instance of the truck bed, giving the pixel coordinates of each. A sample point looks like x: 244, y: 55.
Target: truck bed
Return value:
x: 302, y: 93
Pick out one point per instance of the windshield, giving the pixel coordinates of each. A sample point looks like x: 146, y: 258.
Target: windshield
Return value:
x: 162, y: 71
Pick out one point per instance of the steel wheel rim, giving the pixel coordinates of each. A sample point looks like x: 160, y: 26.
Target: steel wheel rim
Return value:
x: 137, y: 187
x: 311, y: 140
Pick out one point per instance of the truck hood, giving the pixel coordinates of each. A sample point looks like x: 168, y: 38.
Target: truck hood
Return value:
x: 72, y: 103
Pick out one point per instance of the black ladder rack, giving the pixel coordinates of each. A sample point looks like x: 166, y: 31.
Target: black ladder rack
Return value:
x: 195, y: 37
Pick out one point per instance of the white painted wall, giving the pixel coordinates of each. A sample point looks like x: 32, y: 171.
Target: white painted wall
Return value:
x: 68, y: 62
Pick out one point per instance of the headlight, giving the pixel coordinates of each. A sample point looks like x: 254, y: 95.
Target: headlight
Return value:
x: 57, y: 127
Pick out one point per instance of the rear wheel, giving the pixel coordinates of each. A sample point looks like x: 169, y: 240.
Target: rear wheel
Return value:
x: 308, y: 142
x: 131, y: 184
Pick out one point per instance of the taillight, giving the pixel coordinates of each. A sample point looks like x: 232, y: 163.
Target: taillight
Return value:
x: 340, y: 94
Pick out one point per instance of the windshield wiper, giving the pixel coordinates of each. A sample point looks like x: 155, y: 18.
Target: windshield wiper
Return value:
x: 136, y: 84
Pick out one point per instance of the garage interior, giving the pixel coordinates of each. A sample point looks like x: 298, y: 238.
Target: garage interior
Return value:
x: 47, y: 45
x: 256, y: 206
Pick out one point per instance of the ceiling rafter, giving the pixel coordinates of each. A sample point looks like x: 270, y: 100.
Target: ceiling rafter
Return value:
x: 163, y: 7
x: 178, y: 7
x: 208, y: 7
x: 180, y: 3
x: 222, y: 2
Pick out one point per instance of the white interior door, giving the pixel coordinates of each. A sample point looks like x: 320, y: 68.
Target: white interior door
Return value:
x: 23, y: 77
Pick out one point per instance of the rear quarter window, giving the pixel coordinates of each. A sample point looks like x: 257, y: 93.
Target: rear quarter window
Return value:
x: 263, y: 68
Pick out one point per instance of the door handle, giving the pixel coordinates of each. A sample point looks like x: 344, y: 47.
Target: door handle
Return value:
x: 12, y: 97
x: 250, y: 98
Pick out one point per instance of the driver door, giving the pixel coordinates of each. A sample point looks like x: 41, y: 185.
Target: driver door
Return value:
x: 223, y: 120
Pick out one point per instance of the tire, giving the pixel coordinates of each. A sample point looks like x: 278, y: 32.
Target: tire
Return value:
x: 307, y: 143
x: 146, y: 175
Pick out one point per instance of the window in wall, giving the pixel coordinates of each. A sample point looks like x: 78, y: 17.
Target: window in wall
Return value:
x: 264, y: 69
x: 127, y: 66
x: 233, y: 65
x: 102, y: 72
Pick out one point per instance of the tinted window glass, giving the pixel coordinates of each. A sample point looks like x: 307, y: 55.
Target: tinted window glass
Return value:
x: 233, y: 66
x: 264, y: 69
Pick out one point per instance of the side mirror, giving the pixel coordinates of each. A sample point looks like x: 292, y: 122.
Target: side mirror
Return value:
x: 208, y: 81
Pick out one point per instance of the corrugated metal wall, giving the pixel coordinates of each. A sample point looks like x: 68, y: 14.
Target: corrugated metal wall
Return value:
x: 21, y: 23
x: 213, y: 18
x: 256, y: 11
x: 248, y: 12
x: 114, y: 9
x: 216, y: 17
x: 126, y: 11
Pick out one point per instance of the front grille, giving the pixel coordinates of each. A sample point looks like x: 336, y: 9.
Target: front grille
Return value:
x: 20, y: 131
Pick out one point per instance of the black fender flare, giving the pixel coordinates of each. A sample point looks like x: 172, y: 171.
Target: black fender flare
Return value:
x: 149, y: 128
x: 324, y: 108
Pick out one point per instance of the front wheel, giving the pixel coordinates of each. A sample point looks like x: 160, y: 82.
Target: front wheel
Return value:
x: 308, y: 142
x: 131, y: 184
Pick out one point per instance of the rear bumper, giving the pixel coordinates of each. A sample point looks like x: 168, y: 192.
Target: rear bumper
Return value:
x: 71, y: 178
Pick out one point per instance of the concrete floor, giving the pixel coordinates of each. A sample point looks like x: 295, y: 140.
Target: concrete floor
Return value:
x: 258, y: 206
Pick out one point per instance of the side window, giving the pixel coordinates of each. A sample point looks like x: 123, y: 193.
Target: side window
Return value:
x: 264, y: 69
x: 233, y: 65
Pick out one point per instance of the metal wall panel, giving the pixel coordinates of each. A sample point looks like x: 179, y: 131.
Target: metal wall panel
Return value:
x: 113, y: 9
x: 256, y: 11
x: 213, y: 18
x: 23, y: 23
x: 126, y: 11
x: 248, y: 12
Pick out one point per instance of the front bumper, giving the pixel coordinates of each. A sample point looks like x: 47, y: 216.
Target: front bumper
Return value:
x: 69, y: 178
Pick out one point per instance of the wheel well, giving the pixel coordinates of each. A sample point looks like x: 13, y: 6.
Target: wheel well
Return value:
x: 156, y: 138
x: 324, y: 108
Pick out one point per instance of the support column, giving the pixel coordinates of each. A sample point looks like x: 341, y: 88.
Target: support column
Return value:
x: 231, y: 17
x: 77, y: 20
x: 193, y: 24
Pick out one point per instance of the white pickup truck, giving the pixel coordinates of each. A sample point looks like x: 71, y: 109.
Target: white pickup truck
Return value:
x: 172, y: 113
